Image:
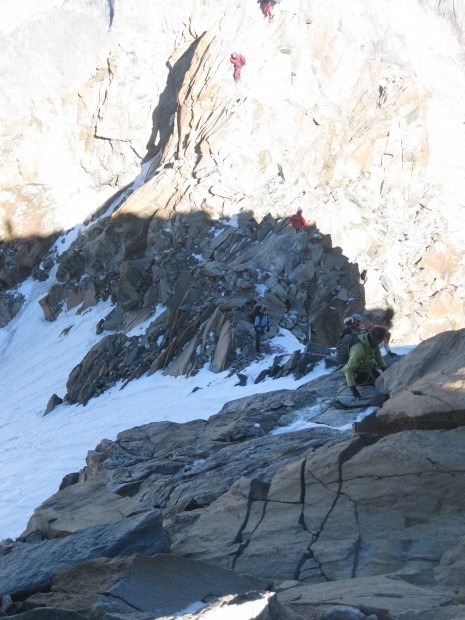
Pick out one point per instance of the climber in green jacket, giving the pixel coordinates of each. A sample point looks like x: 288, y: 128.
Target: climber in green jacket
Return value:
x: 363, y: 355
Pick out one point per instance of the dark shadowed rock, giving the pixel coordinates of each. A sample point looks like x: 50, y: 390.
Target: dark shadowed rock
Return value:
x: 52, y: 303
x: 154, y: 587
x: 98, y: 368
x: 10, y: 305
x: 69, y: 480
x: 49, y: 613
x: 82, y: 295
x: 52, y: 403
x: 207, y: 279
x: 114, y: 319
x: 31, y: 566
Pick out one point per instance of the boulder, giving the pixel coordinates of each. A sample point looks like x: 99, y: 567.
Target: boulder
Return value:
x: 426, y: 388
x: 155, y: 586
x: 32, y: 566
x: 53, y: 402
x: 75, y: 507
x: 384, y: 596
x: 97, y: 371
x: 52, y: 303
x: 83, y: 295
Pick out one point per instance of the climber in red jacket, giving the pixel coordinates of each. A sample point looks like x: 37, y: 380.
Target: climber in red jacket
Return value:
x: 298, y: 222
x: 238, y: 61
x: 267, y: 9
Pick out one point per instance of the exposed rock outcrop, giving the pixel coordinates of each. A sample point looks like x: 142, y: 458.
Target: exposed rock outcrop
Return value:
x: 152, y: 586
x: 426, y: 389
x: 207, y: 275
x: 336, y: 521
x: 141, y: 533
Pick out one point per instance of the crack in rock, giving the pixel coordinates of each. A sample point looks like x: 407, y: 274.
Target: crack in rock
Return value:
x: 243, y: 544
x: 350, y: 451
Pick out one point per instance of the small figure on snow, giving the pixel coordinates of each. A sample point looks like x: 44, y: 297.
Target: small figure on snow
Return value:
x: 238, y: 61
x: 262, y: 325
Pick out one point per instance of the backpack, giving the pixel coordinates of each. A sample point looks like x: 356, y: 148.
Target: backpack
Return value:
x: 254, y: 312
x: 343, y: 348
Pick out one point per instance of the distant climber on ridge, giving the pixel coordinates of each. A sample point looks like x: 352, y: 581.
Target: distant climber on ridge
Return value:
x: 238, y: 61
x: 300, y: 224
x: 364, y: 359
x: 267, y: 10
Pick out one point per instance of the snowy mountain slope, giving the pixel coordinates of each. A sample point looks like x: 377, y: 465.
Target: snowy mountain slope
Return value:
x: 354, y: 111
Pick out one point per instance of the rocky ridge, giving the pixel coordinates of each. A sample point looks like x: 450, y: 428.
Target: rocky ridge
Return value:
x: 335, y: 523
x: 205, y: 275
x: 340, y: 111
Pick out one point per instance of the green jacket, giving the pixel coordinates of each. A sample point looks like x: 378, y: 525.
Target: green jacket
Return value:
x: 362, y: 356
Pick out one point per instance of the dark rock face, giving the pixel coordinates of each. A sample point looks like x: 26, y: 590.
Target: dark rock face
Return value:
x: 207, y: 274
x: 53, y: 402
x: 140, y: 533
x: 10, y: 305
x: 156, y: 586
x: 105, y: 362
x: 21, y: 258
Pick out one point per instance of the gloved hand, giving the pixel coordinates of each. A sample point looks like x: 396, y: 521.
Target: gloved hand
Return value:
x: 355, y: 392
x: 383, y: 369
x: 391, y: 354
x: 375, y: 372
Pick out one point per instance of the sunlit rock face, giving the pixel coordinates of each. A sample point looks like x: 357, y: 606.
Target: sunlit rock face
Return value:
x: 353, y: 111
x: 80, y: 82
